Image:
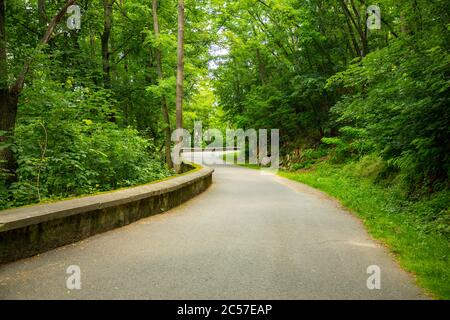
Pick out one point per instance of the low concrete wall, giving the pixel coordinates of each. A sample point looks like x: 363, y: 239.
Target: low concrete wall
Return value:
x: 211, y: 149
x: 27, y: 231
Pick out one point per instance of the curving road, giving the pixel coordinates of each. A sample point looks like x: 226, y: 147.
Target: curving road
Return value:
x: 249, y: 236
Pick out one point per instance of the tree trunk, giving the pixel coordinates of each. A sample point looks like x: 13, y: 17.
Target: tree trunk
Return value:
x: 8, y: 112
x: 261, y: 67
x: 3, y: 61
x: 180, y: 71
x: 352, y: 21
x: 180, y: 67
x: 164, y: 107
x: 107, y: 24
x: 361, y: 27
x: 8, y: 103
x: 42, y: 12
x: 402, y: 23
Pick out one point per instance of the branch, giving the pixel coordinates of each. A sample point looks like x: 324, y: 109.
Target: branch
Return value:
x: 18, y: 86
x: 122, y: 11
x: 265, y: 4
x: 24, y: 25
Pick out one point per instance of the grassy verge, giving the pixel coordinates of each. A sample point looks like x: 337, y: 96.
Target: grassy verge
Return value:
x: 411, y: 230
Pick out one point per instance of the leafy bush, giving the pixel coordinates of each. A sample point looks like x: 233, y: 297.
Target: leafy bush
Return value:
x: 67, y: 146
x: 352, y: 143
x: 309, y: 157
x: 400, y: 110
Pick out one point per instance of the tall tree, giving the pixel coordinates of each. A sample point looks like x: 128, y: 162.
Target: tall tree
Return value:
x: 107, y: 25
x: 7, y: 107
x: 164, y: 107
x: 180, y: 65
x: 9, y: 95
x: 356, y: 22
x: 180, y: 71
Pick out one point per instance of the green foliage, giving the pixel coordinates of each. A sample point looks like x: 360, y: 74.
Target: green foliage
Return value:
x: 309, y: 157
x: 352, y: 143
x: 375, y: 102
x: 402, y: 109
x: 77, y: 133
x: 67, y: 146
x: 322, y: 80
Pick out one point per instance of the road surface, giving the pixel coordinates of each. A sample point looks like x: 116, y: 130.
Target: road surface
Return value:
x: 249, y: 236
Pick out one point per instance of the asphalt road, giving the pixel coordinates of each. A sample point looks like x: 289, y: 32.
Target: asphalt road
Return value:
x: 249, y: 236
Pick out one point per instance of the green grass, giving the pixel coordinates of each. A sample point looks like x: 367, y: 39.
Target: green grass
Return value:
x: 411, y: 230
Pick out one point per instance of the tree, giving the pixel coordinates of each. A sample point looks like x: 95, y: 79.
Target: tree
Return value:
x: 107, y: 25
x: 9, y: 95
x: 164, y: 107
x: 180, y: 71
x: 180, y: 65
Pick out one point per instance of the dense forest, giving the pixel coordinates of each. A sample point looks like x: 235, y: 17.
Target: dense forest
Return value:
x: 91, y: 91
x: 91, y: 108
x: 316, y: 71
